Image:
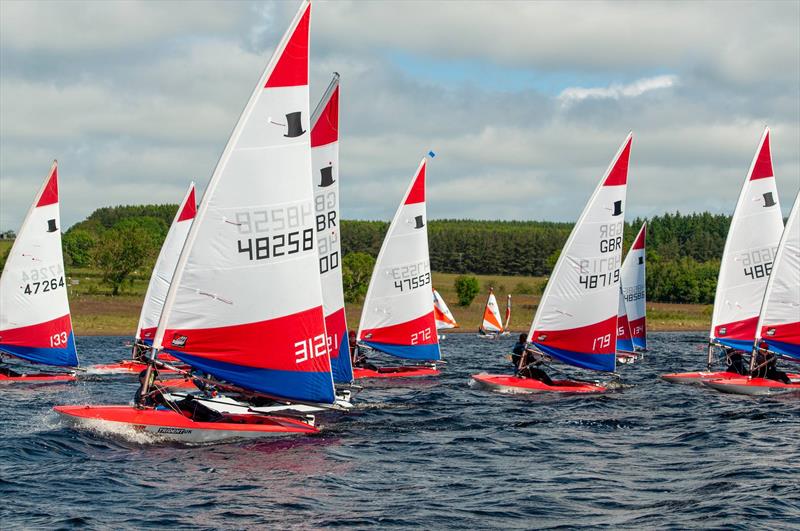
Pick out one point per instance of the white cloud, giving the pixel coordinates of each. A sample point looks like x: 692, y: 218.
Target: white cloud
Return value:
x: 572, y: 95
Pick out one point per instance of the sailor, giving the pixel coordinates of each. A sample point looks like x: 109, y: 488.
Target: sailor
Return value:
x: 357, y: 355
x: 153, y: 397
x: 526, y: 362
x: 7, y: 371
x: 735, y: 361
x: 766, y: 365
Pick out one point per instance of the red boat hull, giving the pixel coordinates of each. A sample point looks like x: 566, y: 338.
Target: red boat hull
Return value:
x: 515, y: 385
x: 752, y: 386
x: 125, y: 367
x: 394, y: 372
x: 703, y: 376
x: 37, y: 379
x: 168, y: 425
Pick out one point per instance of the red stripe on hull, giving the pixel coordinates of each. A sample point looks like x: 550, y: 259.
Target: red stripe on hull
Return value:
x: 589, y: 339
x: 419, y: 331
x: 39, y: 335
x: 743, y: 330
x: 291, y: 343
x: 395, y: 372
x: 515, y: 384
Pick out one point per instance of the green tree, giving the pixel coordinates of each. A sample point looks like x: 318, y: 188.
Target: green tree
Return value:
x: 356, y: 272
x: 78, y: 245
x: 123, y: 249
x: 467, y: 287
x: 4, y: 257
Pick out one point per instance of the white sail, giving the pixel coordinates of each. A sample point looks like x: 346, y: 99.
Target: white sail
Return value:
x: 164, y: 267
x: 325, y: 181
x: 749, y: 252
x: 577, y: 316
x: 444, y: 317
x: 398, y: 315
x: 492, y: 322
x: 634, y: 289
x: 245, y: 304
x: 35, y: 322
x: 779, y: 320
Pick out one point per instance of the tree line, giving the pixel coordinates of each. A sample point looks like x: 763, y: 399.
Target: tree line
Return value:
x: 683, y: 250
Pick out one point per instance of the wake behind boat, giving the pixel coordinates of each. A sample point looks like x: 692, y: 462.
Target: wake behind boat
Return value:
x: 576, y: 320
x: 35, y: 322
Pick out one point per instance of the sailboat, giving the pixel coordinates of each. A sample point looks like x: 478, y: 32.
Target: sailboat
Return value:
x: 157, y: 290
x: 442, y: 314
x: 398, y: 318
x: 576, y: 320
x: 492, y: 324
x: 778, y: 328
x: 245, y: 303
x: 624, y: 339
x: 632, y: 315
x: 325, y: 177
x: 506, y: 331
x: 747, y: 259
x: 35, y: 323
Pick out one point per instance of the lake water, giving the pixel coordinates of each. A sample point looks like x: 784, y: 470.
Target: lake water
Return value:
x: 430, y: 454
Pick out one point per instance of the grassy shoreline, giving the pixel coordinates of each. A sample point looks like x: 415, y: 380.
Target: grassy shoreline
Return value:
x: 98, y: 314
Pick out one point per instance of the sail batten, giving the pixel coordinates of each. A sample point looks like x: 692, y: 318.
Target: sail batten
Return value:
x: 576, y: 321
x: 245, y: 304
x: 747, y: 258
x: 35, y: 321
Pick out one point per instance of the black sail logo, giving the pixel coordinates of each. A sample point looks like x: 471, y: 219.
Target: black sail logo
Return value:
x: 326, y: 177
x: 51, y: 225
x: 768, y: 200
x: 617, y: 208
x: 294, y: 123
x: 418, y: 221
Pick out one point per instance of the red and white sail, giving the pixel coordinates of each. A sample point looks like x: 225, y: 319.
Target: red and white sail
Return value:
x: 576, y: 321
x: 492, y: 322
x: 442, y: 314
x: 35, y: 322
x: 398, y: 316
x: 325, y: 181
x: 624, y: 339
x: 749, y: 253
x: 164, y: 268
x: 779, y: 321
x: 245, y: 304
x: 634, y: 290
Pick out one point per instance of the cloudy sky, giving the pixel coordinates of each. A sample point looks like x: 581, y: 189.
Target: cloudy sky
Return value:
x: 524, y: 103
